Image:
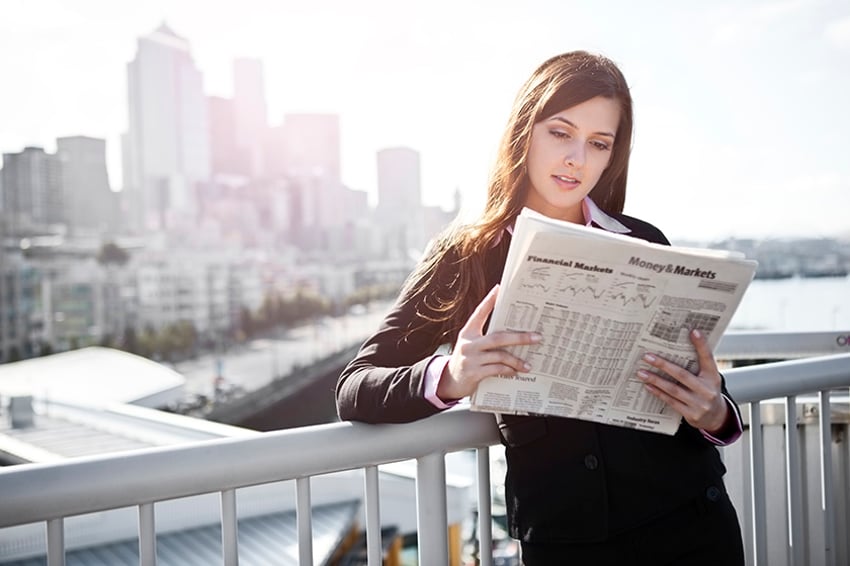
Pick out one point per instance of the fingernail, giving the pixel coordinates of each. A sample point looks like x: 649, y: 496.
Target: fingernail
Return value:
x: 535, y: 337
x: 696, y: 333
x: 649, y: 357
x: 526, y: 366
x: 643, y: 375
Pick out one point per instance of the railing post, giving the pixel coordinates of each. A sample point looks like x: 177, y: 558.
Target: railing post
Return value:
x: 759, y: 517
x: 825, y: 422
x: 374, y: 549
x: 55, y: 542
x: 485, y: 513
x: 229, y: 528
x: 147, y: 535
x: 793, y: 481
x: 303, y: 512
x: 432, y: 513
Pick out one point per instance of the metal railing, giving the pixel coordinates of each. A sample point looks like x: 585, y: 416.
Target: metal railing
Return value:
x: 50, y: 493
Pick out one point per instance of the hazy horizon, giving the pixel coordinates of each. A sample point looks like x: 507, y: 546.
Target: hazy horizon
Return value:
x: 739, y: 106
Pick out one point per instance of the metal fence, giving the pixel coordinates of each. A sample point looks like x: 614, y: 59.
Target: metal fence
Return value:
x: 50, y: 493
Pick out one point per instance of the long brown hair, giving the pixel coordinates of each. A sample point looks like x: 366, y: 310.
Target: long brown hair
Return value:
x: 559, y: 83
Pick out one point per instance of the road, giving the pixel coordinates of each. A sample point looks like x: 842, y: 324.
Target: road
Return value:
x: 258, y: 362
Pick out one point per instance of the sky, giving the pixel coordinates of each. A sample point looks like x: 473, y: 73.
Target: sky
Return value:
x: 741, y: 119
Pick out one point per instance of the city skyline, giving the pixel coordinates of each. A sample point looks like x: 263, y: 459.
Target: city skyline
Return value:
x: 739, y: 108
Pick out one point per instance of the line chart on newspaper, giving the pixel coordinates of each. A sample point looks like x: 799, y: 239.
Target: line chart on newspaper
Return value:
x: 602, y: 300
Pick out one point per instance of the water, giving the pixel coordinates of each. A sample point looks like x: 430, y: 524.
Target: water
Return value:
x: 782, y: 305
x: 795, y: 305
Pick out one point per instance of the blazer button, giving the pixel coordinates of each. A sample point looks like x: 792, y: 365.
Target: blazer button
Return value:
x: 590, y: 462
x: 712, y: 493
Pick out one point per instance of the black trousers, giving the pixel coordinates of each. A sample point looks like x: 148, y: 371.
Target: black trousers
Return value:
x: 705, y: 532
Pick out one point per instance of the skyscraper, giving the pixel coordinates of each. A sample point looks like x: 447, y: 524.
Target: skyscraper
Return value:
x: 167, y: 151
x: 400, y: 199
x: 305, y: 149
x: 310, y: 146
x: 238, y: 126
x: 88, y: 200
x: 32, y: 191
x: 249, y: 112
x: 226, y: 159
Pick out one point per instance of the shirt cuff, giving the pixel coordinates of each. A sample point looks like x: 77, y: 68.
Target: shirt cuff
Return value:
x: 730, y: 432
x: 433, y: 372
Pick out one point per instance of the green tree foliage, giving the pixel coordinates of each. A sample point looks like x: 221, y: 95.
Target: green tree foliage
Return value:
x: 368, y: 293
x: 110, y: 253
x: 14, y: 354
x: 173, y: 342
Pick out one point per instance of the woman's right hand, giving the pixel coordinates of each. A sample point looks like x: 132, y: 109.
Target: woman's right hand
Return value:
x: 476, y: 356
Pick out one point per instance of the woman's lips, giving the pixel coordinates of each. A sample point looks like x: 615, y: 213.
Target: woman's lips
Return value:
x: 566, y: 181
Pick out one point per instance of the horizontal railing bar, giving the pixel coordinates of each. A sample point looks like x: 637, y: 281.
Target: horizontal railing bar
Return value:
x: 746, y: 345
x: 783, y: 379
x: 110, y: 481
x: 98, y: 483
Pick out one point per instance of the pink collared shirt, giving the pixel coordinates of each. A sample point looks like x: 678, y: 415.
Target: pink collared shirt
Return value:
x: 593, y: 215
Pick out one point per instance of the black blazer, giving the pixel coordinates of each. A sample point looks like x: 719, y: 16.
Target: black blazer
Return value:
x: 567, y: 480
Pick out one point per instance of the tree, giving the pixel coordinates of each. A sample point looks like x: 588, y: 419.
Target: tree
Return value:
x: 14, y: 354
x: 129, y: 342
x: 110, y: 253
x: 247, y: 325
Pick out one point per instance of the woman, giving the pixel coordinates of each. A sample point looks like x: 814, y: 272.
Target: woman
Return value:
x: 577, y: 492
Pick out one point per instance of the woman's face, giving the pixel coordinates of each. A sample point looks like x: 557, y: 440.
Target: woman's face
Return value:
x: 568, y: 153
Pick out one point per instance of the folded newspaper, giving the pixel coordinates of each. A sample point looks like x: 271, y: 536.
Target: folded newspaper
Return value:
x: 601, y: 300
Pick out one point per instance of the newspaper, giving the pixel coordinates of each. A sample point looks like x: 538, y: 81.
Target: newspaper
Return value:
x: 602, y: 300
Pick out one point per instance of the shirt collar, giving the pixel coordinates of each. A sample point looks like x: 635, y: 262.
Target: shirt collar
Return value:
x: 593, y: 215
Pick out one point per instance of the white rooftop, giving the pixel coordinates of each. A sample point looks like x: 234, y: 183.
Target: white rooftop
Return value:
x: 99, y: 400
x: 93, y: 375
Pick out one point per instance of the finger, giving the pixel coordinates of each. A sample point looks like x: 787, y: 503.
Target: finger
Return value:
x: 669, y: 391
x: 675, y: 371
x: 505, y: 359
x: 691, y: 396
x: 482, y: 311
x: 699, y: 412
x: 484, y: 362
x: 665, y: 391
x: 707, y: 363
x: 506, y: 338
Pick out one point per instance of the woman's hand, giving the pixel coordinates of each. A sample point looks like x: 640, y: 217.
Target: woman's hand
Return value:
x: 697, y: 398
x: 476, y: 356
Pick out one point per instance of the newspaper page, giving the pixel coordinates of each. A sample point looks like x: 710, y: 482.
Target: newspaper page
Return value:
x: 602, y: 300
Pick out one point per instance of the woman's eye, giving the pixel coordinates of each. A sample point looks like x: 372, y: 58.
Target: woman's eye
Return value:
x: 559, y: 134
x: 601, y: 145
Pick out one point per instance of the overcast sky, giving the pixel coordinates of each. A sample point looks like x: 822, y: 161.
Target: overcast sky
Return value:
x: 741, y: 113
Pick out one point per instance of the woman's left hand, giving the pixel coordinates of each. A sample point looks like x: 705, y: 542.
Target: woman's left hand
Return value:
x: 698, y: 398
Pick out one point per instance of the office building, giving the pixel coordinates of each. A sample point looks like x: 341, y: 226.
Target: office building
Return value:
x: 400, y: 200
x: 227, y: 160
x: 250, y: 114
x: 89, y: 203
x: 19, y: 284
x: 32, y: 191
x: 167, y: 153
x: 305, y: 150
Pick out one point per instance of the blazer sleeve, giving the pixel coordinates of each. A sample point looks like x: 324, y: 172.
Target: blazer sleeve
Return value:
x: 384, y: 383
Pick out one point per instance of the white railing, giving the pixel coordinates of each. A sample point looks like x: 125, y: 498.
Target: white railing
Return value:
x: 50, y: 493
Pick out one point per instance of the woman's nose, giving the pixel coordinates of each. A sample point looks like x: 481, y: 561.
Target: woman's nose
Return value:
x: 575, y: 155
